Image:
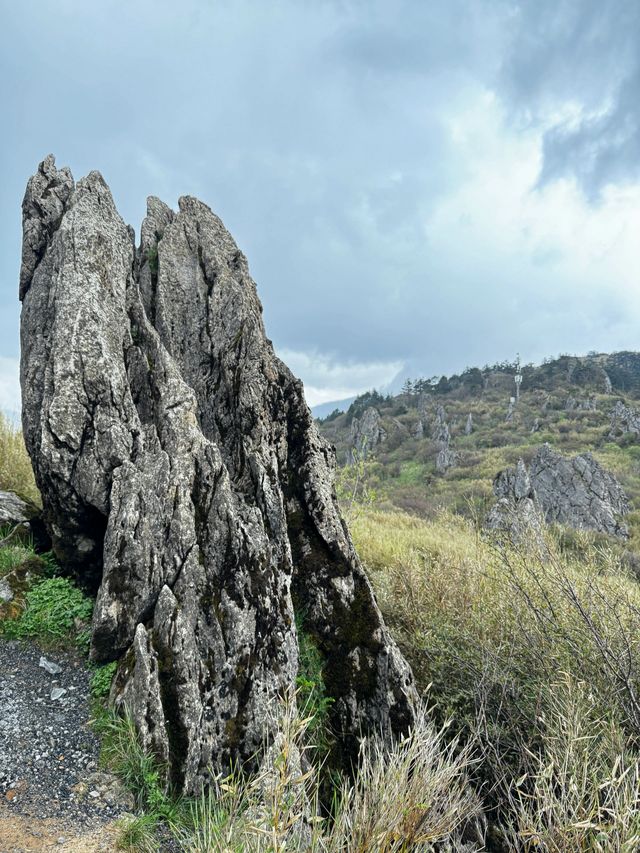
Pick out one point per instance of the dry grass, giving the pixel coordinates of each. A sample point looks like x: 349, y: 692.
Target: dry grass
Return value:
x: 582, y: 790
x: 414, y: 795
x: 16, y: 474
x: 488, y: 628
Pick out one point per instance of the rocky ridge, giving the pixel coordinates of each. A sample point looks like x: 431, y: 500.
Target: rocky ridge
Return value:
x: 576, y: 491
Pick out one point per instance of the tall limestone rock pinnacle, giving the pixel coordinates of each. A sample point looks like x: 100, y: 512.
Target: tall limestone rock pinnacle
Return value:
x: 184, y: 479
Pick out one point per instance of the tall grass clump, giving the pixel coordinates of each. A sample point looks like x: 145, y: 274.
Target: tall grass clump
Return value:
x: 488, y: 626
x: 412, y: 795
x: 16, y: 474
x: 581, y: 791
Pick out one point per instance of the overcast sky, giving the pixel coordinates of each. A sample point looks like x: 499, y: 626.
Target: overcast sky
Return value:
x: 419, y: 185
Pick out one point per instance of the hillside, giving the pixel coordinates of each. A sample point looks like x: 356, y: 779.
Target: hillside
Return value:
x: 566, y: 402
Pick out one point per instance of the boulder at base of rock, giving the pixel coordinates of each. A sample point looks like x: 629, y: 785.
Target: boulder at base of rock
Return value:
x: 184, y: 479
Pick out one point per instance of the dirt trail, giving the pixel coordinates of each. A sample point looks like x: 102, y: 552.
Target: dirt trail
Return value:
x: 52, y: 794
x: 21, y: 833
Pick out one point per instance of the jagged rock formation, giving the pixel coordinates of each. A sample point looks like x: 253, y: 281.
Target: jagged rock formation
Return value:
x: 419, y: 430
x: 577, y: 492
x: 366, y: 434
x: 516, y: 510
x: 183, y: 477
x: 589, y: 404
x: 468, y: 427
x: 624, y: 420
x: 445, y: 457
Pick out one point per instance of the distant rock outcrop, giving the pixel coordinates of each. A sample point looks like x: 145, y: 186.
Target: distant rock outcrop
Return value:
x: 366, y: 433
x: 468, y: 427
x: 516, y: 511
x: 588, y: 404
x: 624, y: 420
x: 183, y: 477
x: 445, y: 457
x: 578, y: 492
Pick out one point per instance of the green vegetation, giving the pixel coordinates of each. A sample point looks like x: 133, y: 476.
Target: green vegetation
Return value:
x: 56, y: 613
x: 415, y: 796
x: 152, y: 259
x: 313, y: 701
x: 101, y: 680
x: 534, y: 659
x: 13, y: 554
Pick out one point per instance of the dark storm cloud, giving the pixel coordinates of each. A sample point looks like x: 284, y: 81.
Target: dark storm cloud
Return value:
x: 585, y: 55
x: 330, y: 137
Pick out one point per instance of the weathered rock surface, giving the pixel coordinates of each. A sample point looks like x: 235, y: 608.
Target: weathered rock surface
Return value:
x: 468, y: 427
x: 516, y: 511
x: 624, y: 420
x: 578, y: 492
x: 183, y: 477
x: 13, y: 510
x: 366, y: 433
x: 446, y: 457
x: 588, y: 404
x: 19, y: 517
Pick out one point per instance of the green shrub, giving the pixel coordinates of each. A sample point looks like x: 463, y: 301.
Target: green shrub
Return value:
x: 101, y: 680
x: 312, y: 698
x: 13, y: 555
x: 53, y: 606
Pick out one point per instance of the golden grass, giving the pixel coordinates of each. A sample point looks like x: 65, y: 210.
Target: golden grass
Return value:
x: 16, y: 474
x: 514, y: 644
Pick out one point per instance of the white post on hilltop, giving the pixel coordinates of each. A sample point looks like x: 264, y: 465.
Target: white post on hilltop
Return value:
x: 518, y: 377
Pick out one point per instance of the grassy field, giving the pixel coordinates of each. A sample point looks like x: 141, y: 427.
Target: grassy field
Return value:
x: 527, y: 659
x: 531, y: 658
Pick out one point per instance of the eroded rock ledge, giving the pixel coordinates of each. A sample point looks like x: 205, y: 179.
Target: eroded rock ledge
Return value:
x: 183, y: 477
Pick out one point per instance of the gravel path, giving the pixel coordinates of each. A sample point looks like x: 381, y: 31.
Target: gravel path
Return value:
x: 49, y: 776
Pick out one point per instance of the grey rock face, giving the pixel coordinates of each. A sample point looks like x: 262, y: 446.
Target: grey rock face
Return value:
x: 446, y: 457
x: 577, y: 492
x: 468, y: 427
x: 419, y: 430
x: 13, y: 510
x: 624, y: 420
x: 516, y: 511
x: 366, y: 433
x: 589, y: 404
x: 183, y: 477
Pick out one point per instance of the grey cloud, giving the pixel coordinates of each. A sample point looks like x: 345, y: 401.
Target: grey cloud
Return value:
x: 582, y: 54
x: 319, y: 132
